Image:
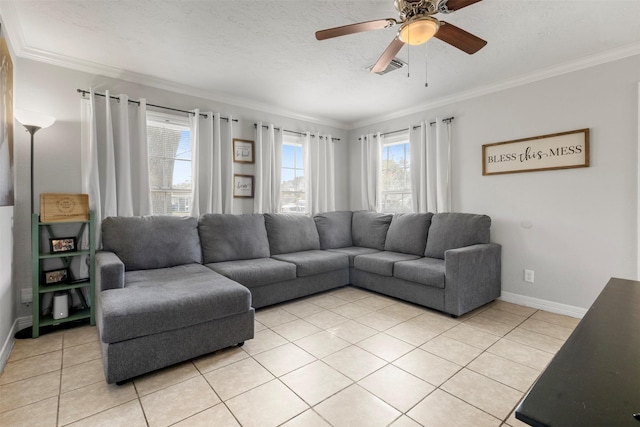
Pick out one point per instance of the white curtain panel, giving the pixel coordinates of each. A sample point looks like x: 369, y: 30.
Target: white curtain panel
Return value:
x: 321, y: 196
x: 227, y: 133
x: 268, y: 146
x: 115, y: 166
x: 212, y: 164
x: 89, y: 156
x: 370, y: 184
x: 431, y: 167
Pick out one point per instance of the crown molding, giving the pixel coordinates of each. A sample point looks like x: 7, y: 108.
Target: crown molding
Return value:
x: 7, y: 9
x: 151, y: 81
x: 11, y: 21
x: 557, y: 70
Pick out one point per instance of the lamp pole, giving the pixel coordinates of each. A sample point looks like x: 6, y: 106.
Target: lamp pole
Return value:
x: 32, y: 130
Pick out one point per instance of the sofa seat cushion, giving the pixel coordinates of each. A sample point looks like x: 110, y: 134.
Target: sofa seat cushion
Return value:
x: 426, y: 271
x: 255, y: 272
x: 165, y: 299
x: 310, y: 263
x: 381, y: 262
x: 353, y: 252
x: 227, y: 237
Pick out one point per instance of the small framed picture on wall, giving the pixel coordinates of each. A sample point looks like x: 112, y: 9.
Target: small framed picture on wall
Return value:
x: 243, y: 186
x: 243, y: 151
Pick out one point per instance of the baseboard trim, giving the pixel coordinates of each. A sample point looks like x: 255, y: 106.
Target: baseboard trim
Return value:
x: 541, y: 304
x: 24, y: 322
x: 7, y: 346
x: 19, y: 324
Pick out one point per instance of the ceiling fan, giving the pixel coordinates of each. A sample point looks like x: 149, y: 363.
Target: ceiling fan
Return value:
x: 417, y: 25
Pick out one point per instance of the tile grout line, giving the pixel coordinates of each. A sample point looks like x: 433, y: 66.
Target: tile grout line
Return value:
x: 387, y: 363
x: 377, y: 332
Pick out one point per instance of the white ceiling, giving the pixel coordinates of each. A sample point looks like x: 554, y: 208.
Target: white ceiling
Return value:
x: 264, y: 53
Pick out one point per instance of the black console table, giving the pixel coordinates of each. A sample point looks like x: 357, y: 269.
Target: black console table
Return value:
x: 594, y: 379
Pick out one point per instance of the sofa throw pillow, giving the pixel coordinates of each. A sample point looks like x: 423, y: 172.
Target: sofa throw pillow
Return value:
x: 149, y: 242
x: 369, y: 229
x: 291, y: 233
x: 334, y: 229
x: 227, y: 237
x: 408, y: 233
x: 456, y: 230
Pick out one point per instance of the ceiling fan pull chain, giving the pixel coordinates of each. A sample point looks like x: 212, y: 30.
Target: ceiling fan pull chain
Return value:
x: 409, y: 55
x: 426, y: 70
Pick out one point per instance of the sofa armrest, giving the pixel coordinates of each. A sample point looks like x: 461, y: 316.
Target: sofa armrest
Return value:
x: 472, y: 277
x: 109, y: 271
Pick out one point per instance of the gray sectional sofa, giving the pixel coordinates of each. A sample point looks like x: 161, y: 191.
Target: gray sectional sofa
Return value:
x: 170, y: 289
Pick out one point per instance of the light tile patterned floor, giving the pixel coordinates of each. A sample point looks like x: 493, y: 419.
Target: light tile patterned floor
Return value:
x: 347, y: 357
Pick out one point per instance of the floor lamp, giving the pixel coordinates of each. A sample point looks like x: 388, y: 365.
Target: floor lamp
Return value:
x: 33, y: 122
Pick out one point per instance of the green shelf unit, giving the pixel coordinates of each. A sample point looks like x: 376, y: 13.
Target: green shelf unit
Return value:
x: 66, y: 255
x: 48, y: 319
x: 40, y: 254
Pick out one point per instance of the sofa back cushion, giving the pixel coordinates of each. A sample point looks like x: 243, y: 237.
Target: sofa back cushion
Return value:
x: 408, y: 233
x: 334, y: 229
x: 146, y: 242
x: 227, y: 237
x: 456, y: 230
x: 369, y: 229
x: 291, y: 233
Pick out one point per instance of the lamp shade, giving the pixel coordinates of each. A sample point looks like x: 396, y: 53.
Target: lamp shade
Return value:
x: 418, y: 30
x: 31, y: 118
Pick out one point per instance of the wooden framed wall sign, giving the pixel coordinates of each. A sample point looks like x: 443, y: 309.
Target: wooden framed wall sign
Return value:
x: 243, y: 186
x: 547, y: 152
x: 243, y: 151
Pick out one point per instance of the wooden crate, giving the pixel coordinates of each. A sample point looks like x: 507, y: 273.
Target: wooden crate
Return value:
x: 60, y: 207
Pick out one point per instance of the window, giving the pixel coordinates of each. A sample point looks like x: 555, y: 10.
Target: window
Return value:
x: 396, y: 174
x: 292, y: 182
x: 170, y: 171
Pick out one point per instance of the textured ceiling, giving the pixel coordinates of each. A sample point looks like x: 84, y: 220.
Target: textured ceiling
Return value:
x: 264, y: 52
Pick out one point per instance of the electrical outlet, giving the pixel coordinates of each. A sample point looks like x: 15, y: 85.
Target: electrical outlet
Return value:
x: 528, y: 276
x: 26, y: 295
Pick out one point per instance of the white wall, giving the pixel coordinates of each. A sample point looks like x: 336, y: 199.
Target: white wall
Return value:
x: 52, y: 90
x: 584, y: 220
x: 7, y: 293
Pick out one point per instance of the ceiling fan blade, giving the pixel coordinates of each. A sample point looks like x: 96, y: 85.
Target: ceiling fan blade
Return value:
x: 459, y: 4
x: 457, y: 37
x: 389, y: 53
x: 355, y: 28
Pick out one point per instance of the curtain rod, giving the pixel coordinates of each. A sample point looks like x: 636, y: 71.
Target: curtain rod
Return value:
x: 293, y: 132
x: 447, y: 120
x: 86, y: 92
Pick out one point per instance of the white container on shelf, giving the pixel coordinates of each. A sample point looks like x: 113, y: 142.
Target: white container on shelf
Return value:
x: 60, y: 305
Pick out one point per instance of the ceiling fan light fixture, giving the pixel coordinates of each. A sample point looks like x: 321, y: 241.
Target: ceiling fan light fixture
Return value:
x: 418, y: 30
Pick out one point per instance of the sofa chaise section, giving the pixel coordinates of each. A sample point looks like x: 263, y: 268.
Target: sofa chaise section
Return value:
x: 157, y: 304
